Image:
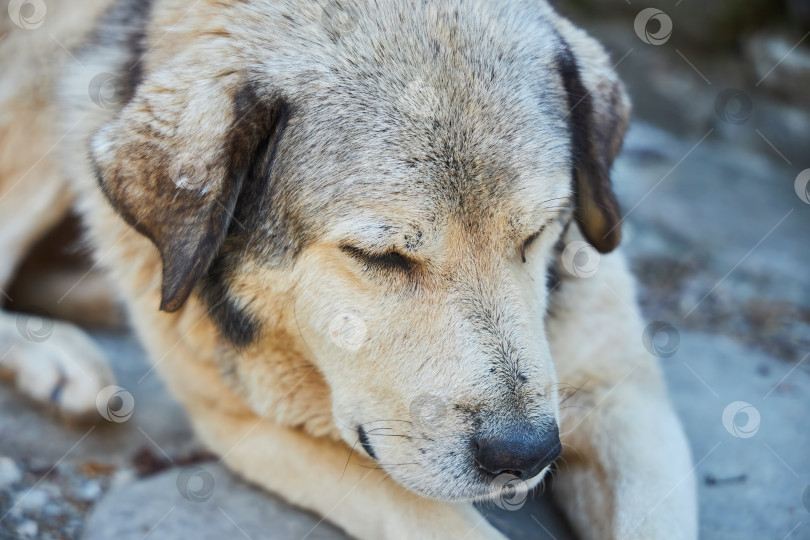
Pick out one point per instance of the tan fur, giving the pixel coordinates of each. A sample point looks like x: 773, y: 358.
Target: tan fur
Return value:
x: 284, y: 409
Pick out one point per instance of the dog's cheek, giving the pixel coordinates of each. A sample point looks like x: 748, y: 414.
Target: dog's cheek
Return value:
x: 269, y: 361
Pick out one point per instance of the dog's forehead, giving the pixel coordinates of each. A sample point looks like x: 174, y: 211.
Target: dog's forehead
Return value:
x: 412, y: 113
x: 421, y: 108
x: 408, y: 69
x: 397, y: 176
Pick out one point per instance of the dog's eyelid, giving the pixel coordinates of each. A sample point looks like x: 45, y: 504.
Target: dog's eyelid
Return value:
x: 529, y: 241
x: 559, y: 217
x: 390, y: 259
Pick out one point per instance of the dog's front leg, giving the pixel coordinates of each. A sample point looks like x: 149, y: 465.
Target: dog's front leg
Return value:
x: 313, y: 473
x: 626, y: 471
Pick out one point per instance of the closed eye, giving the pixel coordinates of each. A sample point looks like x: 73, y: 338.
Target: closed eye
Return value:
x: 528, y: 243
x: 391, y: 260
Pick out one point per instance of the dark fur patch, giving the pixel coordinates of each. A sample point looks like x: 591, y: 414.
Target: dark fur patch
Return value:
x: 188, y: 226
x: 137, y: 40
x: 253, y: 201
x: 269, y: 211
x: 236, y: 323
x: 123, y: 27
x: 554, y: 273
x: 580, y: 109
x: 597, y: 209
x: 553, y: 278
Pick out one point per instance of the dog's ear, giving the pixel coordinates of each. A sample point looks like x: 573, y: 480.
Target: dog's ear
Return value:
x: 173, y: 161
x: 598, y: 115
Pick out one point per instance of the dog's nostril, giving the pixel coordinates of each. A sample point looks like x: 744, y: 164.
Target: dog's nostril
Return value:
x: 518, y: 449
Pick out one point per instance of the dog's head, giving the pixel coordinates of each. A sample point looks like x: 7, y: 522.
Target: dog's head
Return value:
x: 378, y: 192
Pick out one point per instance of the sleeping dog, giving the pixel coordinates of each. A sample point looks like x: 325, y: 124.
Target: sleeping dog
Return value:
x: 353, y: 226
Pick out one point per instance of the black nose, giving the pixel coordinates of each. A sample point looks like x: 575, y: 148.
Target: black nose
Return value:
x: 519, y: 449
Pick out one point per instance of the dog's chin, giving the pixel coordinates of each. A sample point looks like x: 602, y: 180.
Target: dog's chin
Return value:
x: 474, y: 486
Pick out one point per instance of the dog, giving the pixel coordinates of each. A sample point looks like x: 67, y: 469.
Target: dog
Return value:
x: 346, y: 226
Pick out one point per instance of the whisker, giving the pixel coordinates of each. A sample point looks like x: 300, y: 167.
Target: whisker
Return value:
x: 573, y: 450
x: 567, y: 397
x: 583, y: 407
x: 348, y: 460
x: 567, y: 433
x: 376, y: 421
x: 384, y: 465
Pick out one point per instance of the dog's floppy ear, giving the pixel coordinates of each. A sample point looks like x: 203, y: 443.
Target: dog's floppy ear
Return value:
x: 598, y: 115
x: 173, y: 161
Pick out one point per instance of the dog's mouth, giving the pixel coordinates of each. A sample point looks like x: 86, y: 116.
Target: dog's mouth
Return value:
x: 501, y: 469
x: 471, y: 484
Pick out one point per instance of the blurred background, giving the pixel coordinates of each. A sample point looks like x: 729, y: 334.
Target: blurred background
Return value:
x: 715, y: 182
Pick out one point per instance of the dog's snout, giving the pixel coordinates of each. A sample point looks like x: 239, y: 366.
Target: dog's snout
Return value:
x: 519, y: 449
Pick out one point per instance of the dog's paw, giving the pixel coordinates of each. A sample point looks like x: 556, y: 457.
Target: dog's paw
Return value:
x: 57, y: 364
